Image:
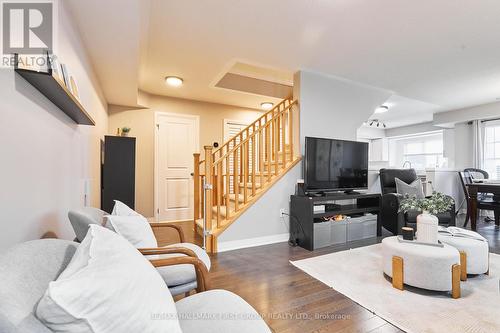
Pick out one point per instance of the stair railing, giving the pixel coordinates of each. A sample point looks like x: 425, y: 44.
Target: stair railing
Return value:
x: 242, y: 166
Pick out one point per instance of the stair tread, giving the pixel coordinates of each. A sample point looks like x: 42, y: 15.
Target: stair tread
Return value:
x: 199, y: 223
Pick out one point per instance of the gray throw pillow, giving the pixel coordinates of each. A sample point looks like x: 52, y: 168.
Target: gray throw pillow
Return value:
x: 414, y: 189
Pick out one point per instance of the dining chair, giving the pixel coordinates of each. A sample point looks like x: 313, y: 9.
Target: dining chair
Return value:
x: 484, y: 202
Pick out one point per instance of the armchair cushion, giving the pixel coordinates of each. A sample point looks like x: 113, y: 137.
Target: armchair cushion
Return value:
x: 134, y: 228
x: 81, y: 219
x: 130, y: 225
x: 120, y: 209
x: 122, y: 290
x: 223, y: 312
x: 182, y: 274
x: 414, y: 189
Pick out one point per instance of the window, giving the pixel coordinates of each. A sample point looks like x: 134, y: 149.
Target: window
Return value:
x: 492, y: 150
x: 421, y: 150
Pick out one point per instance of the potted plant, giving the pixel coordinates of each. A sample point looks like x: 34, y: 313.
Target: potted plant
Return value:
x: 427, y: 221
x: 125, y: 131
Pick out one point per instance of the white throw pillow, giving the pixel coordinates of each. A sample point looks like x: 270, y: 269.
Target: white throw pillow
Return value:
x: 134, y: 228
x: 121, y: 209
x: 108, y: 287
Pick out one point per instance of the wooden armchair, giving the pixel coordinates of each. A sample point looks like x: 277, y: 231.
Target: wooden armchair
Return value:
x: 202, y: 278
x: 183, y: 266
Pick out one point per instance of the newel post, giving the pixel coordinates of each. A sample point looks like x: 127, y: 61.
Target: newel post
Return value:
x: 196, y: 181
x: 208, y: 196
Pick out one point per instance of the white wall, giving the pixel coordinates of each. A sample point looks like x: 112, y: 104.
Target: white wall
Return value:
x: 463, y: 146
x: 45, y: 156
x: 329, y: 107
x: 335, y: 108
x: 485, y: 111
x: 261, y: 223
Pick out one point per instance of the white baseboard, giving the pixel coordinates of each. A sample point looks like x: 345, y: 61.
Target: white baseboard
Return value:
x: 251, y: 242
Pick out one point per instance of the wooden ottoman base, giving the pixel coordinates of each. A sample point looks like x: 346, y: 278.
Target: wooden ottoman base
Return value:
x: 456, y: 274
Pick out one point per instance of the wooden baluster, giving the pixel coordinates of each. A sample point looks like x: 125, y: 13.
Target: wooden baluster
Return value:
x: 228, y: 176
x: 196, y: 183
x: 219, y: 196
x: 283, y: 145
x: 261, y: 158
x: 290, y: 132
x: 271, y: 138
x: 268, y: 149
x: 236, y: 180
x: 276, y: 136
x: 278, y: 143
x: 202, y: 197
x: 208, y: 195
x: 244, y: 161
x: 252, y: 160
x: 240, y: 157
x: 221, y: 176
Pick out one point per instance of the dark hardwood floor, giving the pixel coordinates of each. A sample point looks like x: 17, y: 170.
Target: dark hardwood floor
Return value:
x: 289, y: 299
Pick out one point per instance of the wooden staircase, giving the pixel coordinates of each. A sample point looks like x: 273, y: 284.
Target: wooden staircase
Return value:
x: 235, y: 175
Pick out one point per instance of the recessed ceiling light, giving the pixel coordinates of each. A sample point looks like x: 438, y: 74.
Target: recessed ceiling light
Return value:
x: 174, y: 81
x: 267, y: 105
x: 382, y: 109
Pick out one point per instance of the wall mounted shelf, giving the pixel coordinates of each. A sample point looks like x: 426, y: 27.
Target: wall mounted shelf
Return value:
x: 55, y: 90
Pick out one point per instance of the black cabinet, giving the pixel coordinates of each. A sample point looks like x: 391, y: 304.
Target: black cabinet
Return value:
x: 117, y: 172
x: 305, y: 222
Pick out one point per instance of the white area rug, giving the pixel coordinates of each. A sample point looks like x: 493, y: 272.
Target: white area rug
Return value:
x: 358, y: 274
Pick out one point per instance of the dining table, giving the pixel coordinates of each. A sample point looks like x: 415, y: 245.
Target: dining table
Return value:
x: 476, y: 188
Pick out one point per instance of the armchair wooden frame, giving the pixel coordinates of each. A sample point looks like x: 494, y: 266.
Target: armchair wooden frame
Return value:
x: 189, y: 258
x: 169, y: 225
x: 202, y: 278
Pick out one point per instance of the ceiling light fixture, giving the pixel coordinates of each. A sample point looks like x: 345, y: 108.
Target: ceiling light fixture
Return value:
x: 266, y: 105
x: 376, y: 123
x: 174, y: 81
x: 382, y: 109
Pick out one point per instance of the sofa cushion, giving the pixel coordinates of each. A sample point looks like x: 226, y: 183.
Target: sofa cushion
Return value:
x: 25, y: 273
x: 218, y: 311
x: 108, y: 287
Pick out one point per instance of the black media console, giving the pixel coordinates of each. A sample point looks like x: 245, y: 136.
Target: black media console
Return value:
x: 303, y: 216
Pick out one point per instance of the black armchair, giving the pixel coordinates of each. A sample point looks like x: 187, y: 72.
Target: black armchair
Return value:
x: 391, y: 218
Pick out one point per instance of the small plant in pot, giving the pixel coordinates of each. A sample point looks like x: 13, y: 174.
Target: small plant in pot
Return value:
x: 427, y: 221
x: 125, y: 131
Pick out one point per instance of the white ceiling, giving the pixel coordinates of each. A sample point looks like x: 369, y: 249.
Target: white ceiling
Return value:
x: 405, y: 111
x: 439, y: 55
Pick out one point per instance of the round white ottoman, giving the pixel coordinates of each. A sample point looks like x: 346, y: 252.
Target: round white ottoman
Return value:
x: 427, y: 267
x: 476, y: 254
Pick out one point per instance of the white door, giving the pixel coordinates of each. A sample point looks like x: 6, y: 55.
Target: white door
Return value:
x: 177, y: 138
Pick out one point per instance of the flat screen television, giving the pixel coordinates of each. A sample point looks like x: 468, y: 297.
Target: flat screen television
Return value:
x: 335, y: 165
